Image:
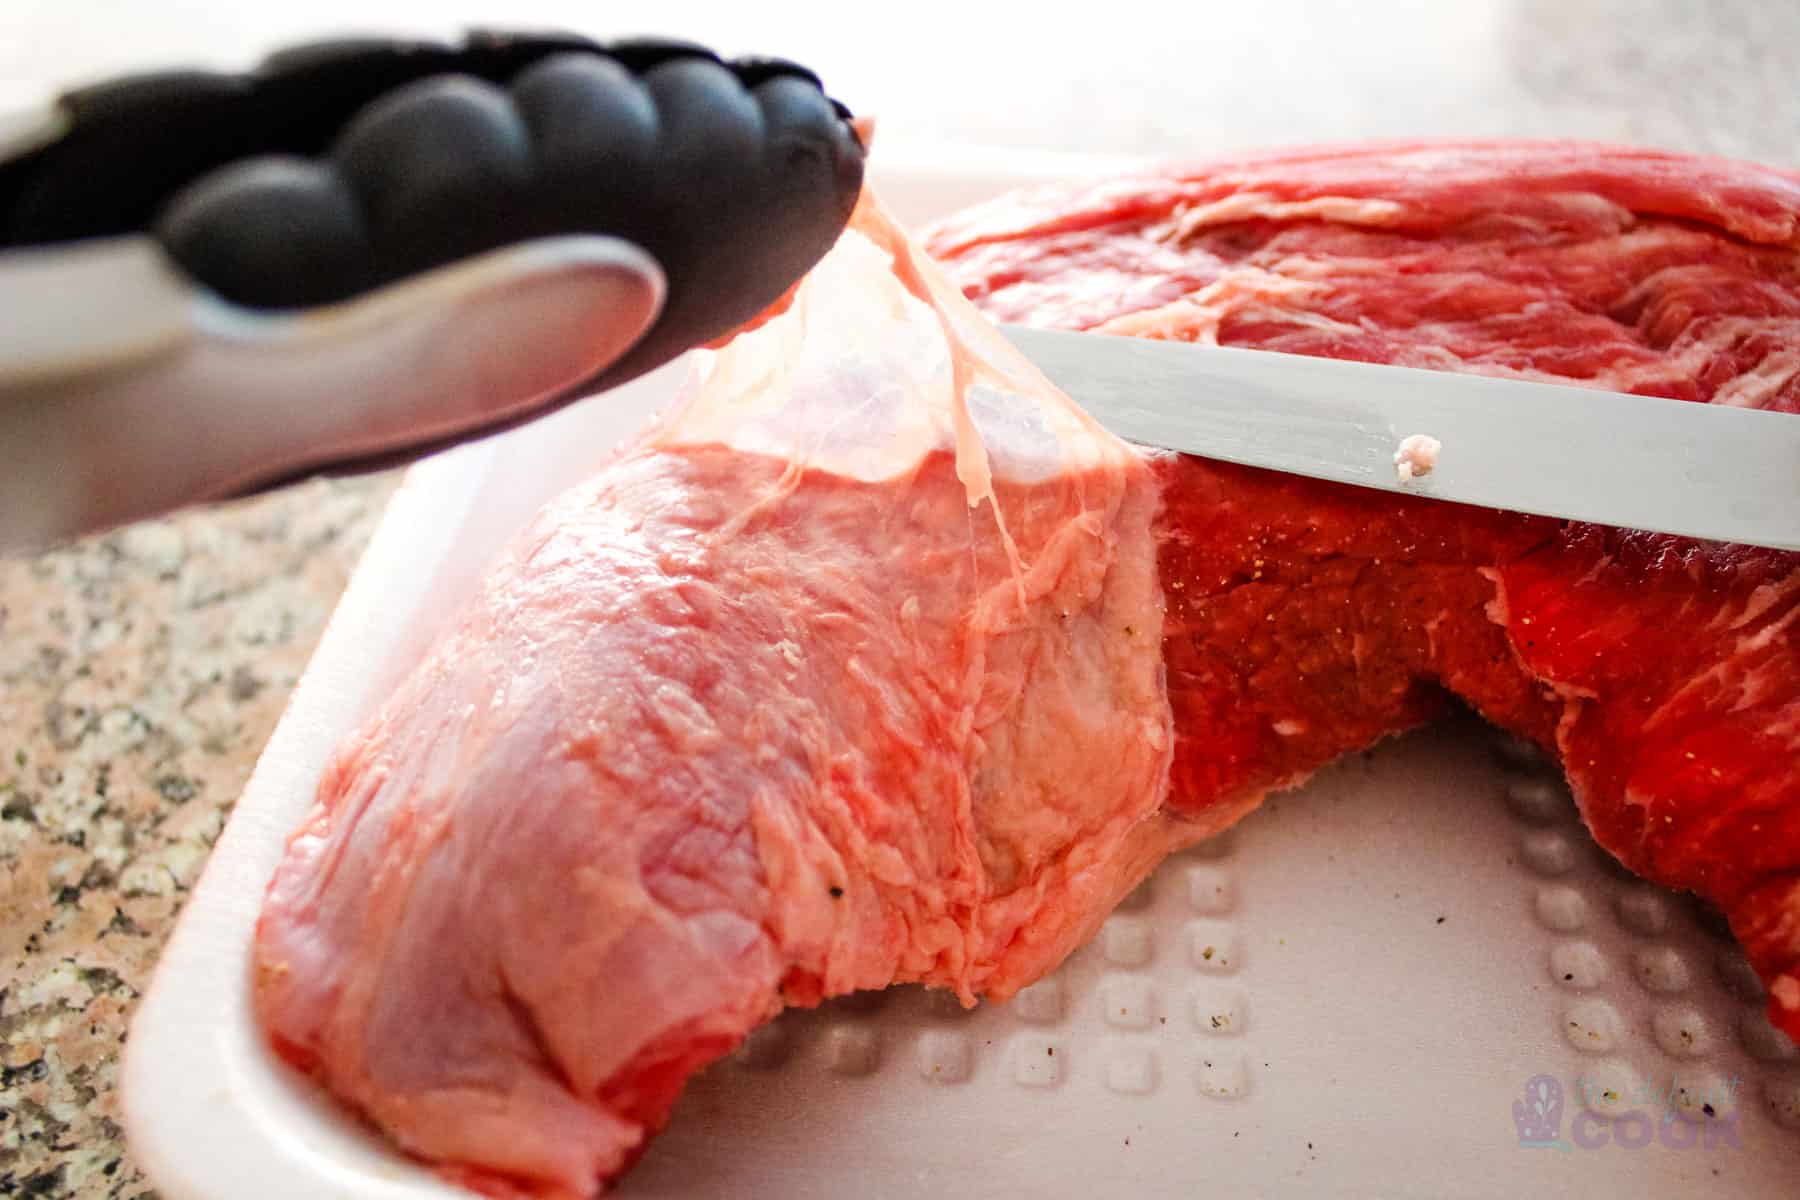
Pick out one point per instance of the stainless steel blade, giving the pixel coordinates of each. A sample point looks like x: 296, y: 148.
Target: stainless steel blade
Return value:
x: 1705, y: 471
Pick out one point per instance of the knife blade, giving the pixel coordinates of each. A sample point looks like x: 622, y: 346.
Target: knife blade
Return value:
x: 1671, y: 466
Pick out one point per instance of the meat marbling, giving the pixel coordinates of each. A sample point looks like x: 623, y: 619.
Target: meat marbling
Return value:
x: 877, y: 661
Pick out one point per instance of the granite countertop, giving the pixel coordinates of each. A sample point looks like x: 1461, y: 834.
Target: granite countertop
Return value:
x: 142, y: 671
x: 140, y: 674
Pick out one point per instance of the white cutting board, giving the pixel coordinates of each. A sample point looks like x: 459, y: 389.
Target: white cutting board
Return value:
x: 1344, y: 997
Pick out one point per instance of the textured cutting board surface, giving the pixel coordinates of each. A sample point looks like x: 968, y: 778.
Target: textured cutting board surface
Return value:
x: 1344, y: 996
x: 1355, y: 993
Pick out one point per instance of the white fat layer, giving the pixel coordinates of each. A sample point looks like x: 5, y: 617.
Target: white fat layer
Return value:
x: 1416, y: 455
x: 814, y: 387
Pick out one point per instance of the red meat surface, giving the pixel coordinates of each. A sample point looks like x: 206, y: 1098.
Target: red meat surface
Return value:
x: 1307, y: 619
x: 849, y: 672
x: 877, y: 661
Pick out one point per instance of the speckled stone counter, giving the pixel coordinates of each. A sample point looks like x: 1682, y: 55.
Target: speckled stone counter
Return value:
x: 140, y: 674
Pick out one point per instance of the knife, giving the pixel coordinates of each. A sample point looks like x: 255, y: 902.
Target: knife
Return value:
x: 1638, y: 462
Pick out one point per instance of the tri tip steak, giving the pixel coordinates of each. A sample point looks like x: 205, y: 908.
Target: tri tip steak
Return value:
x: 877, y: 661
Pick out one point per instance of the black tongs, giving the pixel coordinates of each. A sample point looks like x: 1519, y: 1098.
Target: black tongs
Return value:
x: 362, y: 249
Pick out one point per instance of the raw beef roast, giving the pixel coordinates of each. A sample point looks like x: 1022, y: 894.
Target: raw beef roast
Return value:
x: 877, y: 661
